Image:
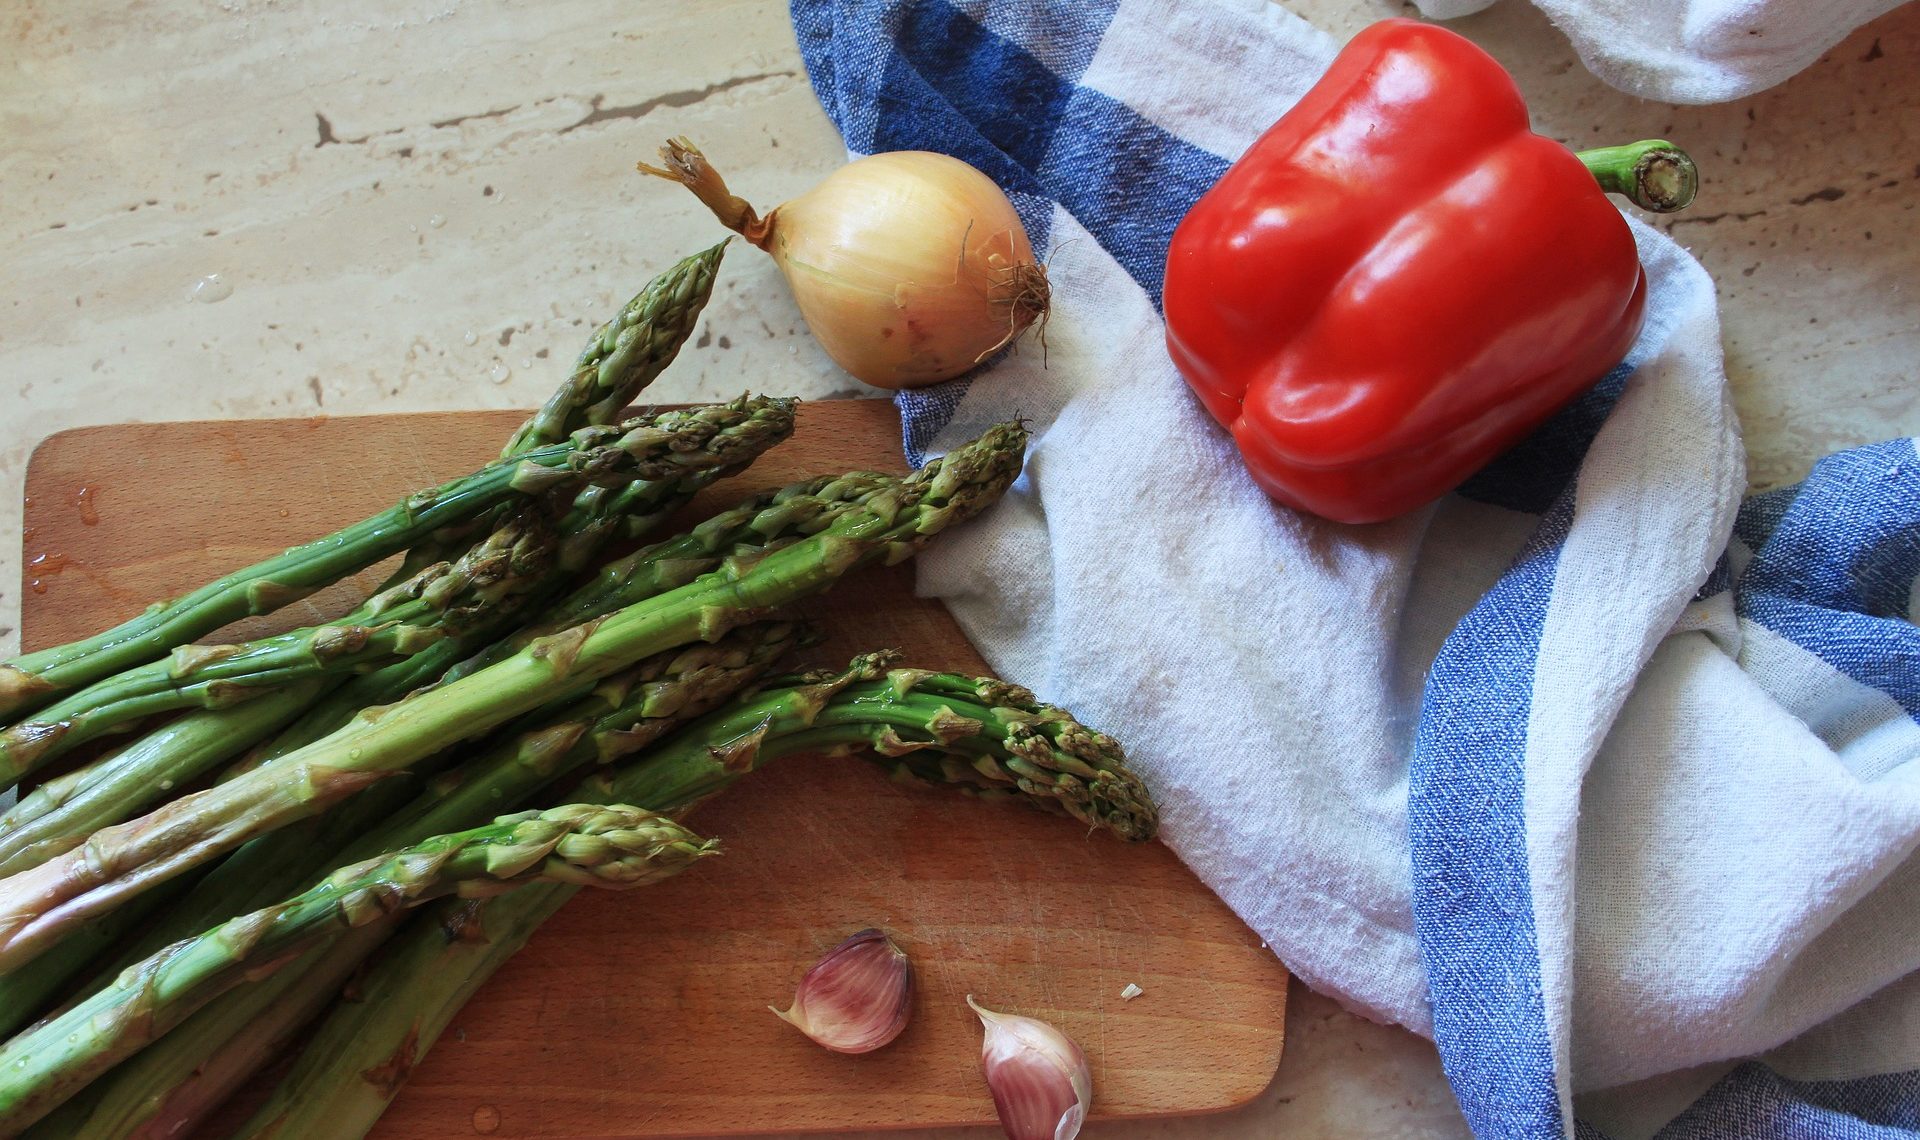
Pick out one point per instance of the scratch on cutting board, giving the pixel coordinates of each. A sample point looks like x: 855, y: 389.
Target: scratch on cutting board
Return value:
x: 1100, y: 981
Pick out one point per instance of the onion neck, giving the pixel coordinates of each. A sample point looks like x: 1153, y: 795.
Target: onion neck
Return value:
x: 682, y: 162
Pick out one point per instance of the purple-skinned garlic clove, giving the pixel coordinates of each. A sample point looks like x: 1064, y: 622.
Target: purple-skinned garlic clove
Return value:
x: 857, y: 998
x: 1041, y: 1085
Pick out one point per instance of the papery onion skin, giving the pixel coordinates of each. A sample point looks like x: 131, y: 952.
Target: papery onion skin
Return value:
x: 901, y: 313
x: 910, y: 267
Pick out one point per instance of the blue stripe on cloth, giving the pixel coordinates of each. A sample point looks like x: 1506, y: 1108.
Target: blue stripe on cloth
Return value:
x: 928, y: 75
x: 1006, y: 103
x: 1466, y: 819
x: 1755, y: 1103
x: 1835, y: 562
x: 1531, y: 474
x: 1760, y: 513
x: 1127, y: 182
x: 1719, y: 579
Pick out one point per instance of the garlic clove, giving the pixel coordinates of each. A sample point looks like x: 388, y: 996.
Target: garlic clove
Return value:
x: 1041, y: 1085
x: 857, y: 997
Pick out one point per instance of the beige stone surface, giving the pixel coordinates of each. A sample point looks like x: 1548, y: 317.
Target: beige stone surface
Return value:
x: 257, y: 209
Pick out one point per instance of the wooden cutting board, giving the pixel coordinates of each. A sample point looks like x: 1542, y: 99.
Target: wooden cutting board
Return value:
x: 644, y: 1014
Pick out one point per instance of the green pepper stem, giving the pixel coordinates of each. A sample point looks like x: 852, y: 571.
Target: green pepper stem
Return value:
x: 1653, y: 174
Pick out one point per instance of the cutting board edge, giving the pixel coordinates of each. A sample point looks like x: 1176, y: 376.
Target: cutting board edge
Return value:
x: 52, y: 441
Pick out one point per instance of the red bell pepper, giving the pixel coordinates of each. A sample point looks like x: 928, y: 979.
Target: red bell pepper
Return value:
x: 1400, y: 279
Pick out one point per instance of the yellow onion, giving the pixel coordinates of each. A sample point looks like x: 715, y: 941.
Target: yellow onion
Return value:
x: 910, y: 267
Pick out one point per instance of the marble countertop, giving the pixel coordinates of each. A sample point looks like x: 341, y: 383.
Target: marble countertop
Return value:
x: 252, y: 209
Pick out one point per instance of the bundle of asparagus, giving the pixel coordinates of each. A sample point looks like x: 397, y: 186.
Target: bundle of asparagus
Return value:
x: 173, y: 934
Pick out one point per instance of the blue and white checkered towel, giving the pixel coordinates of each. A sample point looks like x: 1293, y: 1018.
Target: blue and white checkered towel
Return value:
x: 1604, y: 800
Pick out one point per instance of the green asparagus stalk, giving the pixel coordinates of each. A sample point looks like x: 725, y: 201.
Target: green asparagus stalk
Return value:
x: 745, y: 533
x: 761, y: 523
x: 978, y: 733
x: 33, y: 990
x: 164, y: 1093
x: 579, y: 845
x: 166, y: 1087
x: 656, y: 447
x: 420, y: 980
x: 600, y: 515
x: 623, y: 713
x: 625, y: 354
x: 201, y: 676
x: 118, y: 862
x: 276, y: 861
x: 58, y: 815
x: 412, y: 616
x: 98, y: 950
x: 261, y: 869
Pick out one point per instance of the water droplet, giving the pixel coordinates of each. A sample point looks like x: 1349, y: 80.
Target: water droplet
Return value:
x: 437, y: 221
x: 499, y: 372
x: 412, y: 229
x: 353, y: 754
x: 471, y: 337
x: 526, y: 362
x: 486, y: 1118
x: 83, y: 500
x: 210, y: 289
x: 793, y: 350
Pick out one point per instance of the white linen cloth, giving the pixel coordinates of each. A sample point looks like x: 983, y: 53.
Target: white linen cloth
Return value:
x: 1694, y: 51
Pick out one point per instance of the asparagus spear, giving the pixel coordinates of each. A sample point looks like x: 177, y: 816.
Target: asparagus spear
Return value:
x: 165, y: 1088
x: 201, y: 676
x: 762, y: 521
x: 599, y: 515
x: 983, y: 735
x: 625, y: 354
x: 579, y: 845
x: 118, y: 862
x: 623, y: 713
x: 100, y: 948
x: 745, y: 533
x: 274, y: 860
x: 622, y: 357
x: 974, y: 732
x: 410, y: 617
x: 656, y: 447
